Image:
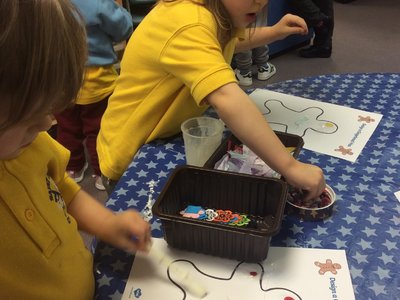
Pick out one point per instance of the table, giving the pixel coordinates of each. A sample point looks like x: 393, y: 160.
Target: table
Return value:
x: 366, y: 220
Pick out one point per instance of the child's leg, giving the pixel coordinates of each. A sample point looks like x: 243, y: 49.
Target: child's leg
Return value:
x: 243, y: 68
x: 91, y: 116
x: 324, y: 33
x: 244, y: 61
x: 319, y: 15
x: 260, y: 55
x: 69, y: 134
x: 265, y: 70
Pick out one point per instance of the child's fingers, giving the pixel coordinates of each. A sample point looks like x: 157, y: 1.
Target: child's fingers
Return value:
x: 140, y: 230
x: 297, y: 24
x: 315, y: 192
x: 144, y: 243
x: 131, y: 243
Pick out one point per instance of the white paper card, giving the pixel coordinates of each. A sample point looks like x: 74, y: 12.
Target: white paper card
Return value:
x: 397, y: 194
x: 290, y: 274
x: 326, y: 128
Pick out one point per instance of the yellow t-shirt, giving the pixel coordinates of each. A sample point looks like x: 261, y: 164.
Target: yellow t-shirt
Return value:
x: 172, y: 62
x: 42, y: 255
x: 99, y: 83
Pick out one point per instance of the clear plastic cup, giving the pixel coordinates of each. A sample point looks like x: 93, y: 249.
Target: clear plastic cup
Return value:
x: 201, y: 136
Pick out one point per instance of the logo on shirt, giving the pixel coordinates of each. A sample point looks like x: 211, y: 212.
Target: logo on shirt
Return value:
x: 55, y: 196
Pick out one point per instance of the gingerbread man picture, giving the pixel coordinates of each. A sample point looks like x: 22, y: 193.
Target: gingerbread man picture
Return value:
x: 366, y: 119
x: 344, y: 150
x: 298, y: 121
x: 328, y: 266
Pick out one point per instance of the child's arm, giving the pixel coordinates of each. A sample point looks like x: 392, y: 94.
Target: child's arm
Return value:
x: 116, y: 21
x: 117, y: 229
x: 260, y: 36
x: 241, y: 115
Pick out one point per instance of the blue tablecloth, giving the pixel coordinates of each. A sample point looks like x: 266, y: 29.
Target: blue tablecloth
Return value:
x: 366, y: 220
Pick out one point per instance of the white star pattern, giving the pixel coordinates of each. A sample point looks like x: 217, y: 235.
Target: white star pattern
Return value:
x: 366, y: 216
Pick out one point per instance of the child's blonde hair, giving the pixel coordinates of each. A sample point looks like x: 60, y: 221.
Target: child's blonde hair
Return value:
x: 42, y: 57
x: 217, y: 8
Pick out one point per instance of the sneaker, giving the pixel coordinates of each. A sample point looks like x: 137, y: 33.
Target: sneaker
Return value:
x: 98, y: 183
x: 78, y: 175
x: 244, y: 79
x: 266, y: 71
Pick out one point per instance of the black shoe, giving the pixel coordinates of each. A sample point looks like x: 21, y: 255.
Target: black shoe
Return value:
x: 314, y: 52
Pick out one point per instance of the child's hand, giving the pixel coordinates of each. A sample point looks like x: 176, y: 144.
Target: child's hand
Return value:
x: 291, y: 24
x: 127, y: 231
x: 306, y: 177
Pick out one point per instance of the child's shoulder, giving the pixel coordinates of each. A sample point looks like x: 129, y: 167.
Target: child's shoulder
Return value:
x: 170, y: 18
x: 91, y: 10
x: 44, y: 143
x: 184, y: 12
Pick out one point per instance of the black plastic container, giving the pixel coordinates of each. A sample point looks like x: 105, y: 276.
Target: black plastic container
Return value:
x: 261, y: 197
x: 287, y: 139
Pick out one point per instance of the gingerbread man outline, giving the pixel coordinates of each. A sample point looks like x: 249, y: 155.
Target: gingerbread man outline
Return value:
x: 317, y: 112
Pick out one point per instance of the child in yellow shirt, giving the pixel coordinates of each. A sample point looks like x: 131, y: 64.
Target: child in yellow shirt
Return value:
x: 176, y: 64
x: 42, y: 255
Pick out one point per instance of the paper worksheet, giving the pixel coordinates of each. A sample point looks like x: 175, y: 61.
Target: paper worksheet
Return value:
x: 326, y: 128
x: 286, y: 274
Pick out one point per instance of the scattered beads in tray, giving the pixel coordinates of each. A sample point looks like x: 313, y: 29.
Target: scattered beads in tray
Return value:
x: 226, y: 217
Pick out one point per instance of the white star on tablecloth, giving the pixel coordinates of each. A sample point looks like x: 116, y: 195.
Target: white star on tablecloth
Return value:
x: 369, y: 231
x: 393, y: 232
x: 132, y: 203
x: 106, y: 251
x: 361, y: 258
x: 296, y: 229
x: 118, y: 265
x: 354, y: 208
x: 365, y: 244
x: 156, y: 225
x: 132, y: 182
x: 382, y: 273
x: 373, y: 220
x: 104, y: 280
x: 141, y: 154
x: 355, y: 272
x: 162, y: 174
x: 142, y: 173
x: 151, y: 165
x: 142, y: 192
x: 161, y: 155
x: 390, y: 245
x: 344, y: 231
x: 121, y: 191
x: 340, y: 244
x: 116, y: 296
x: 321, y: 230
x: 314, y: 243
x: 386, y: 258
x: 378, y: 289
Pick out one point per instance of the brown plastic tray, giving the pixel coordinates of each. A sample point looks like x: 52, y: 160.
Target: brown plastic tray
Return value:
x: 255, y: 196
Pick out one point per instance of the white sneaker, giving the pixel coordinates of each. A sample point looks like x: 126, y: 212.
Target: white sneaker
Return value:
x: 98, y: 183
x: 244, y: 79
x: 265, y: 72
x: 78, y: 175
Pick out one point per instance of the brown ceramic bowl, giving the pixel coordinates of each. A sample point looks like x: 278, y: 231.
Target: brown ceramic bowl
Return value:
x: 312, y: 213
